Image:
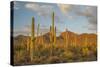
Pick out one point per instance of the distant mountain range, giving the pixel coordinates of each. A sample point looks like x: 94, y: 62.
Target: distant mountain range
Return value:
x: 65, y: 38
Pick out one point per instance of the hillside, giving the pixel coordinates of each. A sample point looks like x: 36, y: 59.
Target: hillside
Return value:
x: 69, y: 47
x: 65, y: 38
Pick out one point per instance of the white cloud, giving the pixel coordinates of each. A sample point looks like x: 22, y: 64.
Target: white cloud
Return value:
x: 90, y: 12
x: 43, y: 10
x: 24, y: 30
x: 64, y: 8
x: 32, y: 6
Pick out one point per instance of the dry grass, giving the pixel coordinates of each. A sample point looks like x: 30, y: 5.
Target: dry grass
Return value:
x: 47, y: 53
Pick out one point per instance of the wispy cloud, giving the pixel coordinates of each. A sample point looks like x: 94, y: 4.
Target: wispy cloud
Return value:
x: 24, y: 30
x: 64, y: 8
x: 91, y: 14
x: 43, y: 10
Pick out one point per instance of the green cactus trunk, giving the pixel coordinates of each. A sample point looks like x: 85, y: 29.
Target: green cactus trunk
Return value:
x: 53, y: 27
x: 55, y: 36
x: 50, y: 34
x: 28, y: 44
x: 38, y: 28
x: 53, y: 22
x: 32, y: 45
x: 53, y: 30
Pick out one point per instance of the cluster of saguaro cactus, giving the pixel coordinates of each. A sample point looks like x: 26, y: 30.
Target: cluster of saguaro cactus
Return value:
x: 52, y: 36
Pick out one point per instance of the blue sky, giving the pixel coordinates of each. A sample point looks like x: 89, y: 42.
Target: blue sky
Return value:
x: 76, y: 18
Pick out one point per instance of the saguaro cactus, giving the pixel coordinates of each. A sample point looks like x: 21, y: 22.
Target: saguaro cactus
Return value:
x: 55, y: 36
x: 53, y: 33
x: 28, y: 42
x: 38, y: 29
x: 50, y: 34
x: 32, y: 39
x: 53, y: 22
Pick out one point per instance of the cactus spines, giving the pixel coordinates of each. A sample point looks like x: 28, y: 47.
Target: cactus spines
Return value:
x: 32, y: 39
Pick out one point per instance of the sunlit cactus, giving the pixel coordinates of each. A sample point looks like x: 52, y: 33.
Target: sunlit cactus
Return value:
x: 28, y: 42
x: 53, y: 22
x: 38, y: 29
x: 32, y: 39
x: 55, y: 36
x: 50, y: 34
x: 53, y: 27
x: 53, y: 33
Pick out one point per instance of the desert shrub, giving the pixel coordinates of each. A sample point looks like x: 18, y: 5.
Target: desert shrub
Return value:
x: 85, y: 51
x: 53, y: 59
x: 45, y: 53
x: 67, y: 56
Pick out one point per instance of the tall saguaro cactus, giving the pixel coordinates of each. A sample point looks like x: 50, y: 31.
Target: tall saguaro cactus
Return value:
x: 53, y: 33
x: 28, y: 42
x: 32, y: 39
x: 38, y: 28
x: 53, y: 23
x: 50, y: 34
x: 55, y: 36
